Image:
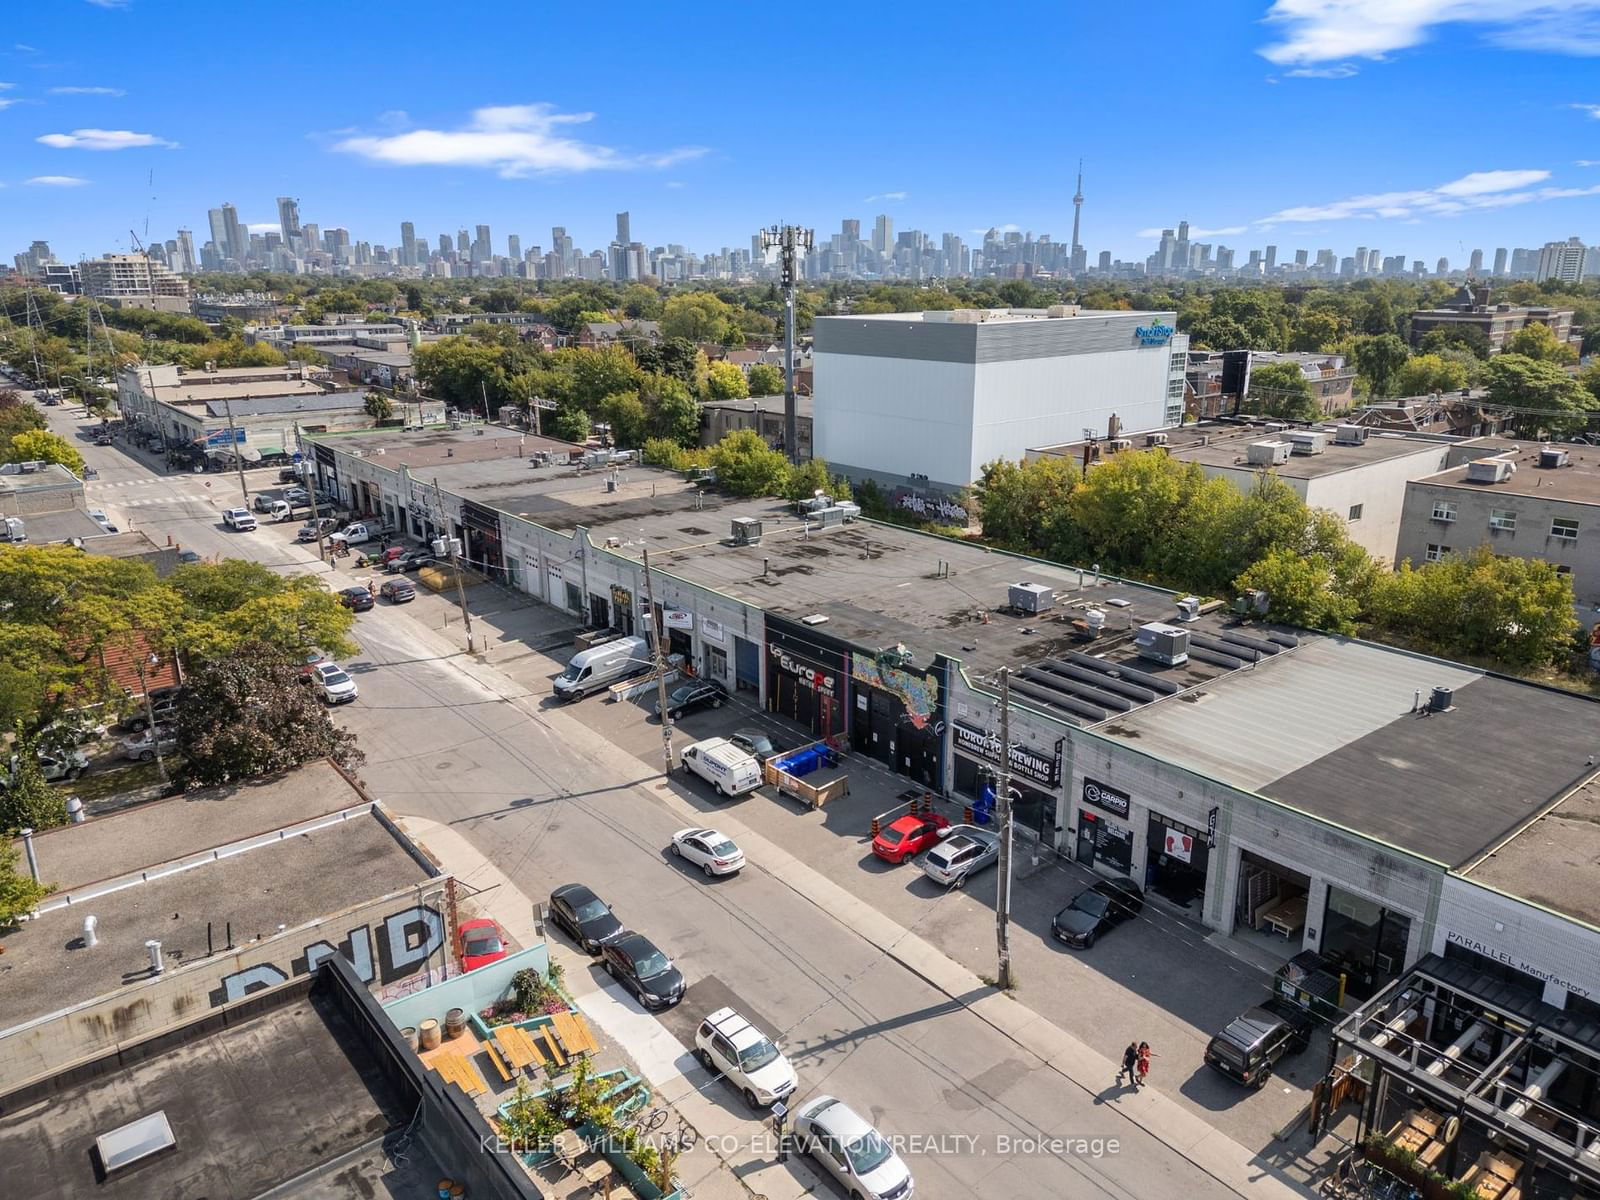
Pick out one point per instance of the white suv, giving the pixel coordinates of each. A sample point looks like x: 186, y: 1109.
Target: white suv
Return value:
x: 333, y: 684
x: 730, y: 1046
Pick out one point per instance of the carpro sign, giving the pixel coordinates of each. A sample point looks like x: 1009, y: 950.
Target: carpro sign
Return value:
x: 1154, y: 335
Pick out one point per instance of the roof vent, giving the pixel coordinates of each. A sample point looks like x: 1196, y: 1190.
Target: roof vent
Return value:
x: 1032, y: 598
x: 1308, y: 441
x: 1552, y: 456
x: 814, y: 619
x: 1155, y: 439
x: 1189, y: 608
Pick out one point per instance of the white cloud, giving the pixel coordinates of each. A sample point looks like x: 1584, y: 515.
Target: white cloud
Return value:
x: 4, y: 103
x: 109, y: 3
x: 57, y: 181
x: 1342, y: 71
x: 24, y: 48
x: 4, y: 86
x: 1313, y: 31
x: 1586, y: 162
x: 1008, y: 227
x: 886, y: 196
x: 103, y: 139
x: 87, y: 91
x: 514, y: 140
x: 1197, y: 233
x: 1475, y: 190
x: 1592, y: 109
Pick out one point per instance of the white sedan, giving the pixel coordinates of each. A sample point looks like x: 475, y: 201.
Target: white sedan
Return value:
x: 709, y: 850
x: 142, y: 748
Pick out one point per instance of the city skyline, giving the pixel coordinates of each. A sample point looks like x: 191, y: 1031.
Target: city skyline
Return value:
x: 98, y: 141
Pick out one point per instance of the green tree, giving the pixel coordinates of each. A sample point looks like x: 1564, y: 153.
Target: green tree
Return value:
x: 1589, y: 380
x: 640, y: 302
x: 695, y: 316
x: 765, y: 380
x: 234, y: 603
x: 1538, y: 341
x: 1219, y: 333
x: 1378, y: 360
x: 1024, y: 505
x: 747, y: 466
x: 1379, y: 316
x: 1301, y: 591
x: 378, y: 406
x: 19, y: 894
x: 1316, y: 332
x: 570, y: 422
x: 413, y: 297
x: 1128, y: 498
x: 674, y: 413
x: 17, y: 416
x: 1279, y: 389
x: 460, y: 371
x: 39, y: 445
x: 625, y: 413
x: 811, y: 477
x: 597, y: 374
x: 726, y: 382
x: 250, y: 714
x: 1462, y: 337
x: 26, y: 800
x: 1427, y: 373
x: 1523, y: 382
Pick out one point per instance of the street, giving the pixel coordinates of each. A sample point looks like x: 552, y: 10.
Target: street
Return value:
x: 555, y: 794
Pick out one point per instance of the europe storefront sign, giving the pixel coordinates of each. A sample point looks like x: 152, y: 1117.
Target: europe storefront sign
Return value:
x: 1106, y: 797
x: 1025, y: 761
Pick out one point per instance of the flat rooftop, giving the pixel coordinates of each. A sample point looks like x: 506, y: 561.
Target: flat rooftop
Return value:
x: 185, y: 393
x: 50, y: 475
x: 767, y: 404
x: 321, y: 400
x: 59, y: 526
x: 1578, y: 481
x: 435, y: 446
x: 1552, y: 861
x: 252, y: 1105
x: 1225, y: 445
x: 988, y: 316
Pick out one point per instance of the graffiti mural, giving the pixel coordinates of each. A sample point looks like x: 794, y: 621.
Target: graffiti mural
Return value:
x: 919, y: 693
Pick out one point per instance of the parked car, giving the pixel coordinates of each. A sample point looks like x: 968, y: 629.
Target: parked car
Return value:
x: 263, y: 503
x: 312, y: 530
x: 728, y: 769
x: 709, y: 850
x: 481, y: 944
x: 1101, y: 906
x: 601, y: 666
x: 585, y: 918
x: 398, y: 591
x: 309, y: 661
x: 730, y: 1046
x: 634, y: 961
x: 908, y: 836
x: 297, y: 495
x: 758, y: 745
x: 54, y: 765
x: 163, y: 705
x: 1254, y: 1041
x: 142, y: 747
x: 851, y: 1150
x: 239, y: 520
x: 963, y: 851
x: 98, y: 516
x: 696, y: 693
x: 333, y: 684
x: 288, y: 474
x: 408, y: 560
x: 358, y: 599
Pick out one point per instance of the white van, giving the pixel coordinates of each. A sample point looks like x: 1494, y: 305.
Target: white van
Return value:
x: 724, y: 766
x: 601, y: 666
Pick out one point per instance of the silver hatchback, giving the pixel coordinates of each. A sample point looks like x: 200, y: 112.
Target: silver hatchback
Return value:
x: 965, y: 850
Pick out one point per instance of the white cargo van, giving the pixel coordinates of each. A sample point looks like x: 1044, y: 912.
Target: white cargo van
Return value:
x: 601, y: 666
x: 724, y: 766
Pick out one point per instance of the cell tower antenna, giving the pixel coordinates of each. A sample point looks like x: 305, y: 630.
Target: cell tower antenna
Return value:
x: 791, y: 241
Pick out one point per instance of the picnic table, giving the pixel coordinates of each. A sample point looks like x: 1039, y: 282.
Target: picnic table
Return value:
x: 577, y: 1039
x: 1287, y: 917
x: 518, y: 1046
x: 1418, y: 1133
x: 1492, y: 1176
x: 455, y: 1068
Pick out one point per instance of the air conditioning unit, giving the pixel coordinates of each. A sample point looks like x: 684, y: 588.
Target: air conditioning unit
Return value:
x: 1113, y: 445
x: 1490, y: 470
x: 1032, y: 597
x: 1275, y: 427
x: 1307, y: 441
x: 746, y: 531
x: 1155, y: 439
x: 1189, y: 608
x: 1166, y: 644
x: 1551, y: 457
x: 1267, y: 454
x: 1350, y: 435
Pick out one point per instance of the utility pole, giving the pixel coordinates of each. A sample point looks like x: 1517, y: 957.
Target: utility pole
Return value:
x: 233, y: 448
x: 1002, y: 800
x: 790, y: 241
x: 309, y: 483
x: 455, y: 563
x: 661, y: 667
x: 150, y: 713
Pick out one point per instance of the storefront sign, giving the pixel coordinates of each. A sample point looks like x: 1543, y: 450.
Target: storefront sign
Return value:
x: 1211, y: 828
x: 1154, y: 335
x: 812, y: 677
x: 677, y: 618
x: 1023, y: 760
x: 1108, y: 798
x: 1512, y: 960
x: 1179, y: 845
x: 712, y: 630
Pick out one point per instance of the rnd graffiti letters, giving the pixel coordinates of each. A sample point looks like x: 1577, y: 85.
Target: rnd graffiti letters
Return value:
x: 404, y: 941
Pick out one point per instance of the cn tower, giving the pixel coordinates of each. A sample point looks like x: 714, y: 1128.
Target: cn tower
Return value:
x: 1077, y: 214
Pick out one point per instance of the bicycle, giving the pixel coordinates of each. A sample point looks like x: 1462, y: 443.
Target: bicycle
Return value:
x: 648, y: 1120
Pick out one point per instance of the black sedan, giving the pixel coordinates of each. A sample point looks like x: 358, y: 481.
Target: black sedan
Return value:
x: 634, y: 962
x: 583, y: 916
x: 1097, y: 908
x: 357, y: 599
x: 697, y: 693
x: 758, y: 745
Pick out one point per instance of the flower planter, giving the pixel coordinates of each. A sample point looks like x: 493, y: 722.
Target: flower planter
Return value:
x: 622, y: 1080
x: 632, y: 1174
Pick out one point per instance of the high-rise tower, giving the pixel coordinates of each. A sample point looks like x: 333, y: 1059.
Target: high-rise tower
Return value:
x: 1079, y: 259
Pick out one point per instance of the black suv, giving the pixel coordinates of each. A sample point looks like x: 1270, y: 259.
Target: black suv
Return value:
x: 1254, y: 1041
x: 697, y: 693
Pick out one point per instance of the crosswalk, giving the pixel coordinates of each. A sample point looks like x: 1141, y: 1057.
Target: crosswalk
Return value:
x: 146, y: 481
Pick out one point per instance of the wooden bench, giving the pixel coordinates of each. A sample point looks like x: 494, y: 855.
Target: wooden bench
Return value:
x: 554, y: 1046
x: 499, y: 1065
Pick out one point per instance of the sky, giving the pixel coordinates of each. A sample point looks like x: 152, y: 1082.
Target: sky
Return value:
x: 1429, y: 127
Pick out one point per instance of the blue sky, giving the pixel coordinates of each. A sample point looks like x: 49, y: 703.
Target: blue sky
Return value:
x: 1424, y: 126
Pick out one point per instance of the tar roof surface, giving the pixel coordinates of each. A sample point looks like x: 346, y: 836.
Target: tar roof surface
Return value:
x: 1552, y: 861
x: 287, y: 402
x: 1578, y: 481
x: 251, y: 1105
x: 436, y: 447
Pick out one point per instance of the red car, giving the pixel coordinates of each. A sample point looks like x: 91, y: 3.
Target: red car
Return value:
x: 481, y: 944
x: 909, y: 836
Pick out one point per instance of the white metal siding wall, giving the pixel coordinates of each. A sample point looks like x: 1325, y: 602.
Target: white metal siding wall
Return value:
x: 895, y: 415
x: 1559, y: 950
x: 1046, y: 401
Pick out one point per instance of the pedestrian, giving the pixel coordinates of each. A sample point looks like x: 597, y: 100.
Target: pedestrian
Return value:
x: 1130, y: 1063
x: 372, y: 589
x: 1144, y: 1064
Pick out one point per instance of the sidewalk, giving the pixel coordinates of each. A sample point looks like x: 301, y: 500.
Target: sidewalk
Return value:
x: 1164, y: 1119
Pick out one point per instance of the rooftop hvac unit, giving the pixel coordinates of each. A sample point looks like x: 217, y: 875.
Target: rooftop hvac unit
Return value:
x: 834, y: 514
x: 1267, y: 454
x: 1113, y: 445
x: 1441, y: 699
x: 1308, y: 441
x: 1163, y: 643
x: 1095, y: 619
x: 1061, y: 310
x: 746, y: 531
x: 1552, y: 456
x: 1276, y: 427
x: 1490, y: 470
x: 1032, y: 598
x: 1350, y: 435
x: 1155, y: 439
x: 1189, y: 608
x: 1252, y: 600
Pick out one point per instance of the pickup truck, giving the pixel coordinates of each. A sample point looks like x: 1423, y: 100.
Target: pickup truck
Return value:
x: 312, y: 530
x: 239, y: 519
x: 355, y: 533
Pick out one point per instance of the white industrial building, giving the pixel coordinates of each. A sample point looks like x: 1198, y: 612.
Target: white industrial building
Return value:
x: 924, y: 400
